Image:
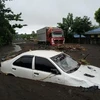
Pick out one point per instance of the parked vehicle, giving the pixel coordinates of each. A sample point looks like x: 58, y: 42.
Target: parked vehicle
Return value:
x: 51, y: 35
x: 52, y: 66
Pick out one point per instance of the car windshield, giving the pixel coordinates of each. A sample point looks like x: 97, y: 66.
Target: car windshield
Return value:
x: 65, y: 62
x: 57, y: 34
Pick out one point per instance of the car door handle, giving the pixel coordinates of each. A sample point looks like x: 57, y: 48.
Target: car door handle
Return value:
x: 36, y: 73
x: 14, y: 68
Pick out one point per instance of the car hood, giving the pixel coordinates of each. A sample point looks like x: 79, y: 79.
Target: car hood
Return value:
x: 88, y: 74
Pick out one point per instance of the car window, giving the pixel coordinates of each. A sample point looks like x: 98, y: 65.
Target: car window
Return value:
x: 24, y: 61
x: 65, y: 62
x: 44, y: 64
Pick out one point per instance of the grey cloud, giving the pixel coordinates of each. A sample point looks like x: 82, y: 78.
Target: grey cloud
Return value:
x: 39, y: 13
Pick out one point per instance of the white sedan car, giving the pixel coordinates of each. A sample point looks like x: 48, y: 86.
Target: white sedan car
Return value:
x: 52, y: 66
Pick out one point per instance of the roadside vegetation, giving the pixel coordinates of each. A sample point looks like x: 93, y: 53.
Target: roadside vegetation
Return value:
x: 26, y: 36
x: 7, y: 30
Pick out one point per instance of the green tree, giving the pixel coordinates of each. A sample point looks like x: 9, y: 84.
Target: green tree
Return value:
x: 97, y: 16
x: 81, y: 25
x: 77, y: 25
x: 34, y: 35
x: 66, y: 25
x: 6, y: 29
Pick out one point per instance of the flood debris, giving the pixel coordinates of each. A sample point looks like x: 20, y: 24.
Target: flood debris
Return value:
x: 70, y: 47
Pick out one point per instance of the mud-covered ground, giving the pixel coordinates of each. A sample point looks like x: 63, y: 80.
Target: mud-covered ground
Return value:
x: 12, y: 88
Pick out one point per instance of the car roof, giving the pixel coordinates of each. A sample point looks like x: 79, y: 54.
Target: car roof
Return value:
x: 42, y: 53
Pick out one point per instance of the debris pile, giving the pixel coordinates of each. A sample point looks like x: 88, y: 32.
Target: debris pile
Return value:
x: 70, y: 47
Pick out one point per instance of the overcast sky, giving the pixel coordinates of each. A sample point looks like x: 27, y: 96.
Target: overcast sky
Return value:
x: 40, y: 13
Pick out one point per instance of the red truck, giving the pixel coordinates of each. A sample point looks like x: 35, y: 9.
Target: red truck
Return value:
x: 52, y: 35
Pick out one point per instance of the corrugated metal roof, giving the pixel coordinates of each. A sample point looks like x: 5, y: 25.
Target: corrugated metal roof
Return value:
x: 78, y: 36
x: 94, y: 31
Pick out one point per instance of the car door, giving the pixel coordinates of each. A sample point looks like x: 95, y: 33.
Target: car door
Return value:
x: 22, y: 67
x: 44, y: 70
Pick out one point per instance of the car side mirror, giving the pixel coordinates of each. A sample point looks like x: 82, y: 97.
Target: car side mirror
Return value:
x: 55, y: 71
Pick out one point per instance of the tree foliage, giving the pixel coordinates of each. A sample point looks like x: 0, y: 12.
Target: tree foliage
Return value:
x: 6, y: 29
x: 97, y: 16
x: 81, y: 25
x: 66, y: 25
x: 27, y: 36
x: 72, y: 25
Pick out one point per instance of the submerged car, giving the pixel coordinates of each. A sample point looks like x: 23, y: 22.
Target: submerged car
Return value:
x: 52, y: 66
